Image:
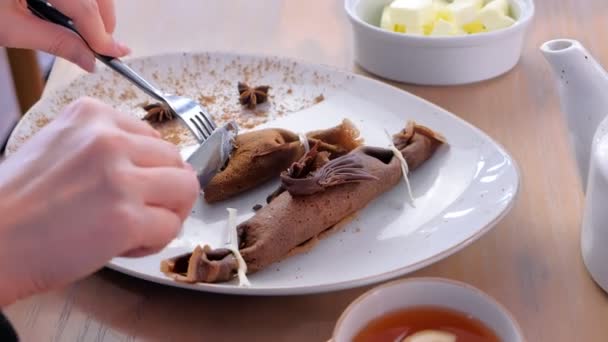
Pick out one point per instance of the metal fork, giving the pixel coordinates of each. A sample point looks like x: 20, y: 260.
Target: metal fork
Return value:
x: 196, y: 118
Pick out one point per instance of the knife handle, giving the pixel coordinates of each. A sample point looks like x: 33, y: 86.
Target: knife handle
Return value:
x: 46, y: 11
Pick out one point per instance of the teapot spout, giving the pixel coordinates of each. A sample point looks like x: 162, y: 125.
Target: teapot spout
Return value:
x: 583, y: 88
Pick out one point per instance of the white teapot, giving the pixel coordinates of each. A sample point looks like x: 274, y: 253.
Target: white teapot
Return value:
x: 583, y: 88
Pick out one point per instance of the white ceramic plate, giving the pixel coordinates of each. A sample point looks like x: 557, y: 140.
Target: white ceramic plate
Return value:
x: 459, y: 194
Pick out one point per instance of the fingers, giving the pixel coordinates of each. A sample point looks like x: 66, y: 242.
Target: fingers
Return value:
x: 106, y: 9
x: 50, y: 38
x: 169, y: 195
x: 140, y: 252
x: 87, y: 18
x: 171, y: 188
x: 158, y: 226
x: 148, y: 152
x: 94, y: 19
x: 89, y: 109
x: 134, y: 125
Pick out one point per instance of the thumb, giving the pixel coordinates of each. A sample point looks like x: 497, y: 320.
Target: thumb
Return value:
x: 51, y: 38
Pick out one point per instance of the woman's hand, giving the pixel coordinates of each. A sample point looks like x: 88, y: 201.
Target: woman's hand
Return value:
x: 95, y: 20
x: 92, y: 185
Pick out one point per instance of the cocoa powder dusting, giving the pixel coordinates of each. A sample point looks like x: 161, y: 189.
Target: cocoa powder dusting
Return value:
x: 203, y: 73
x: 207, y: 100
x: 42, y: 121
x: 127, y: 95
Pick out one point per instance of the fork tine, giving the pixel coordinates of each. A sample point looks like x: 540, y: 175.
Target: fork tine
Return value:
x: 203, y: 120
x: 193, y: 115
x: 209, y: 120
x: 202, y: 125
x: 198, y: 135
x: 202, y: 134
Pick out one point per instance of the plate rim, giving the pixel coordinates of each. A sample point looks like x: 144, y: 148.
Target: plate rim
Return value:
x: 496, y: 216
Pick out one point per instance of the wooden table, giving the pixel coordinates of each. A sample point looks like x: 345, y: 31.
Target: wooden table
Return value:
x: 531, y: 262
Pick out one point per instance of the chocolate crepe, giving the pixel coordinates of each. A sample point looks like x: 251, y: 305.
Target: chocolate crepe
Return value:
x: 262, y: 155
x: 317, y: 194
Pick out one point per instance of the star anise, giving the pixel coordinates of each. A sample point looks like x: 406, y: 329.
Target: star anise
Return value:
x: 250, y: 96
x: 158, y: 112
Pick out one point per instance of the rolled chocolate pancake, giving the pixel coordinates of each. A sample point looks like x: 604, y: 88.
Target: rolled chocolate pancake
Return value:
x: 291, y: 219
x: 202, y: 265
x: 262, y: 155
x: 317, y: 195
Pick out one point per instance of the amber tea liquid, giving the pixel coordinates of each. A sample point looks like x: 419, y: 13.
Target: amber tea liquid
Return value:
x: 403, y: 323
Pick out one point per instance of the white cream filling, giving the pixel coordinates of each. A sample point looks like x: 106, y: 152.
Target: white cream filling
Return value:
x: 304, y: 142
x: 232, y: 244
x: 404, y: 167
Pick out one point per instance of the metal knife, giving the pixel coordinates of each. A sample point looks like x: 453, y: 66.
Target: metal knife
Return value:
x: 213, y: 154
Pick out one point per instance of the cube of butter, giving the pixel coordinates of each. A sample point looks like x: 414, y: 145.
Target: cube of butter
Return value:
x: 413, y: 14
x: 445, y: 28
x: 440, y: 4
x: 495, y: 15
x: 462, y: 12
x: 386, y: 22
x: 474, y: 27
x: 500, y: 6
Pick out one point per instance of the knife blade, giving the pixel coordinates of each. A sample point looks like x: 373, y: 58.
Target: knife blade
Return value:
x: 211, y: 156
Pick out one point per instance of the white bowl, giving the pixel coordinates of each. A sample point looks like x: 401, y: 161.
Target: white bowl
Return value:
x: 435, y: 60
x: 413, y: 292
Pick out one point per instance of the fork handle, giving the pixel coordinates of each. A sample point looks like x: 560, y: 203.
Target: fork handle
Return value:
x: 121, y: 68
x: 46, y: 11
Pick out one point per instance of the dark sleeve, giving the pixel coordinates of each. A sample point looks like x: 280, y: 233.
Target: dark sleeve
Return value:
x: 7, y: 333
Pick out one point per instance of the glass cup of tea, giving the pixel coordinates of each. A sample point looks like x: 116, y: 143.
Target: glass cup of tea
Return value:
x: 426, y: 309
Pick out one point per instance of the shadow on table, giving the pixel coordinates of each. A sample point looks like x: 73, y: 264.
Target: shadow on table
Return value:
x: 141, y: 310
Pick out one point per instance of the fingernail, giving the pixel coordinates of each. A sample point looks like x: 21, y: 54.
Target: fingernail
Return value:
x: 123, y: 48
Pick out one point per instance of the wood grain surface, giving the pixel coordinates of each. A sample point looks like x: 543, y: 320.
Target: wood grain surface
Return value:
x: 530, y: 262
